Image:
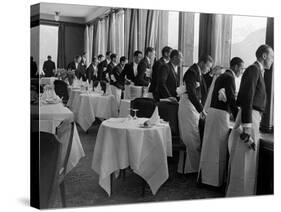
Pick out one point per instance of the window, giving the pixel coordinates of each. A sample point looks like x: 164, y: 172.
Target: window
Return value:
x: 248, y: 33
x: 48, y: 44
x: 173, y: 29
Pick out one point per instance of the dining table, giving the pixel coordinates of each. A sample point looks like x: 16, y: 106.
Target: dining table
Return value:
x: 127, y: 142
x: 89, y: 105
x: 50, y: 117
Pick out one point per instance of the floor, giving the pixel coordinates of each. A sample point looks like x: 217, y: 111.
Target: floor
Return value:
x: 82, y: 188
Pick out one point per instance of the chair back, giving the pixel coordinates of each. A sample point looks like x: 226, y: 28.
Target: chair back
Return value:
x: 168, y: 111
x: 61, y: 90
x: 64, y: 134
x: 50, y: 155
x: 145, y: 106
x: 132, y: 92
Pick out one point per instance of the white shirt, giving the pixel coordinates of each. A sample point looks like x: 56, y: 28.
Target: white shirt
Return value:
x: 135, y: 67
x: 175, y: 68
x: 76, y: 65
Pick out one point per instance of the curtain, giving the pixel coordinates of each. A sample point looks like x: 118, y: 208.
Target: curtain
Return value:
x: 186, y: 37
x: 119, y: 34
x: 95, y: 40
x: 61, y: 63
x: 151, y: 28
x: 127, y: 21
x: 215, y: 37
x: 111, y: 33
x: 267, y: 122
x: 106, y: 33
x: 102, y: 37
x: 142, y: 17
x: 162, y: 37
x: 133, y: 35
x: 86, y: 44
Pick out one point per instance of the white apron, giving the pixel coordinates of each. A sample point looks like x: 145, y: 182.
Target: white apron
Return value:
x: 213, y: 161
x: 189, y: 133
x: 243, y: 162
x: 117, y: 93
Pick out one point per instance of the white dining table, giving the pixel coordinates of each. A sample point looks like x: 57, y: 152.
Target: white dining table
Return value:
x: 122, y: 143
x: 50, y: 117
x: 88, y: 105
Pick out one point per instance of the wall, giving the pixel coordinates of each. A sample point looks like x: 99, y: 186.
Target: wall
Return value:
x: 34, y: 44
x: 74, y: 41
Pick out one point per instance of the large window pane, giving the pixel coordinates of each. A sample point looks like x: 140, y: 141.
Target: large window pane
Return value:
x: 173, y: 29
x: 248, y: 33
x: 48, y: 44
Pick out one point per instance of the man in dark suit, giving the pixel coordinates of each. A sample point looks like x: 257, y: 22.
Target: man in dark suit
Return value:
x: 103, y: 65
x: 107, y: 74
x: 244, y: 143
x: 131, y: 69
x: 92, y: 71
x: 116, y: 74
x: 49, y: 67
x: 208, y: 77
x: 82, y: 68
x: 100, y: 58
x: 75, y: 65
x: 196, y: 87
x: 144, y: 68
x: 33, y: 68
x: 168, y: 77
x: 155, y: 71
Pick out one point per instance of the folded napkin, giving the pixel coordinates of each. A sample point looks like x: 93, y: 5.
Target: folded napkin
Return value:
x: 98, y: 88
x: 50, y: 95
x: 222, y: 95
x: 181, y: 90
x: 154, y: 119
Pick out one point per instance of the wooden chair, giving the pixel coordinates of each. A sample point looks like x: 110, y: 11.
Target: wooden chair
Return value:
x: 168, y: 111
x: 61, y: 90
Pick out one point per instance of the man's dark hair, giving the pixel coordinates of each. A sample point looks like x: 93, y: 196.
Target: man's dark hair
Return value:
x: 166, y: 49
x: 236, y: 61
x: 137, y: 52
x: 262, y: 49
x: 148, y: 49
x: 76, y: 57
x: 49, y: 57
x: 206, y: 58
x: 100, y: 56
x: 108, y: 53
x: 174, y: 53
x: 122, y: 59
x: 113, y: 56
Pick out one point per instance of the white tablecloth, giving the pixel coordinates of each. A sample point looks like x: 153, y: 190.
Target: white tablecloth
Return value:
x: 47, y: 80
x: 87, y: 106
x: 121, y: 143
x: 125, y: 105
x: 51, y: 115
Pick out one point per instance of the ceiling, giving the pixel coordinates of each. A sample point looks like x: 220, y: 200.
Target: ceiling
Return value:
x: 71, y: 10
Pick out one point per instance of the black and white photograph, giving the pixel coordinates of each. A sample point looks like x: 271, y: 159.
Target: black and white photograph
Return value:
x: 140, y: 105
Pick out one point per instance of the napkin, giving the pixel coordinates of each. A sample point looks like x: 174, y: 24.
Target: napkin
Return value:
x: 49, y: 95
x: 222, y: 95
x: 181, y: 90
x: 155, y: 118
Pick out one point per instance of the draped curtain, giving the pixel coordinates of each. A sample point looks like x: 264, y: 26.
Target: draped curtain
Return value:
x: 88, y: 43
x: 119, y: 33
x: 95, y: 39
x: 142, y: 17
x: 133, y: 34
x: 215, y: 37
x: 267, y: 122
x: 111, y: 33
x: 151, y: 28
x: 127, y: 21
x: 61, y: 63
x: 162, y: 37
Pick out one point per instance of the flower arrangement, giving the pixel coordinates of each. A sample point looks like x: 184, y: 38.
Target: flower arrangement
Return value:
x: 66, y: 75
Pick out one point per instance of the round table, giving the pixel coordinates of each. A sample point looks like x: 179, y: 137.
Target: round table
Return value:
x: 122, y: 142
